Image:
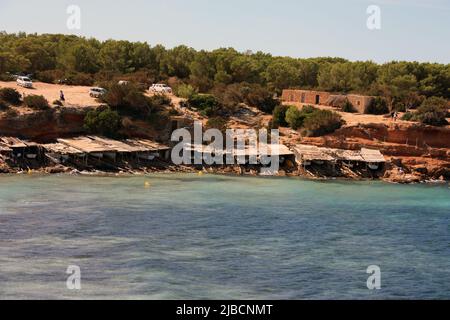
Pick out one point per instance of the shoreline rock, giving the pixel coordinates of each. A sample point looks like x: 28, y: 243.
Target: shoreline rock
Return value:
x: 392, y: 175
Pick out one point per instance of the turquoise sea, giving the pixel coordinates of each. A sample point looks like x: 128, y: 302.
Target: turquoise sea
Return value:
x: 216, y: 237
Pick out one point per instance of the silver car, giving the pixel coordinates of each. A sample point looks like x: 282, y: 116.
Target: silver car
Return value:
x: 24, y: 82
x: 97, y: 92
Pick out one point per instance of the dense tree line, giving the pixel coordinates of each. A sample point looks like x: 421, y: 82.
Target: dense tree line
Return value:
x: 87, y: 61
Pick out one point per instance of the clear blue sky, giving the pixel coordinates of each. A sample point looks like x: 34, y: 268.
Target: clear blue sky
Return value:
x: 411, y: 29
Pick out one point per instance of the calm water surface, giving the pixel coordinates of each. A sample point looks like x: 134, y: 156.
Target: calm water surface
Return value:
x: 192, y: 237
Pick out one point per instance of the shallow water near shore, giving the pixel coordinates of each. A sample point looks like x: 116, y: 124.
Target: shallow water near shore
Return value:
x: 184, y: 236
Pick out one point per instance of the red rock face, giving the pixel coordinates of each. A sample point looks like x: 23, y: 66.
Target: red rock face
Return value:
x: 45, y: 125
x: 421, y: 151
x: 417, y: 135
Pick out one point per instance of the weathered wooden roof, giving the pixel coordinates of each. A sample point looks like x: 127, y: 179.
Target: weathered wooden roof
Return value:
x: 274, y: 150
x: 13, y: 143
x: 243, y: 134
x: 313, y: 153
x: 266, y: 149
x: 95, y: 144
x: 248, y: 151
x: 136, y: 146
x: 61, y: 149
x: 348, y: 155
x: 116, y: 145
x: 86, y: 145
x: 372, y: 156
x: 151, y: 145
x: 199, y: 148
x: 4, y: 148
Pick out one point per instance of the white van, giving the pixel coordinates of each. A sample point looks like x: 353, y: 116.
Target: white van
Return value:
x: 24, y: 82
x: 97, y: 92
x: 160, y: 88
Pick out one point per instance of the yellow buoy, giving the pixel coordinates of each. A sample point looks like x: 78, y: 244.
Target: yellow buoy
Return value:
x: 147, y: 184
x: 200, y: 173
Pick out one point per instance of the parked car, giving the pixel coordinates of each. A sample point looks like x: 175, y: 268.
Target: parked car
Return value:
x: 123, y: 83
x: 160, y: 88
x: 97, y: 92
x: 24, y: 82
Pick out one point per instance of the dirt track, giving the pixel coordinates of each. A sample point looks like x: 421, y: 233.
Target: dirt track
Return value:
x: 75, y: 95
x: 357, y: 118
x: 79, y: 96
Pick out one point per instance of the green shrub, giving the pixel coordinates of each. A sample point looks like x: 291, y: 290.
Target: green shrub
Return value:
x: 36, y: 102
x: 185, y: 91
x: 159, y: 101
x: 159, y: 119
x: 58, y: 103
x: 378, y: 106
x: 137, y: 103
x: 433, y: 111
x: 217, y: 123
x: 129, y: 100
x: 261, y: 98
x: 348, y: 107
x: 206, y: 103
x: 80, y: 79
x: 294, y: 117
x: 400, y: 107
x: 308, y: 109
x: 409, y: 116
x: 114, y: 96
x: 279, y: 116
x: 322, y: 122
x: 254, y: 95
x: 10, y: 95
x: 50, y: 76
x: 229, y: 96
x: 103, y: 121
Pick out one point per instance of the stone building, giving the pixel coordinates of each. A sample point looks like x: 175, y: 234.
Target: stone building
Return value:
x: 359, y: 102
x: 306, y: 96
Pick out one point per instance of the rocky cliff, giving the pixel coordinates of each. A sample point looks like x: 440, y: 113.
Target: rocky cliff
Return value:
x: 45, y: 125
x: 414, y: 152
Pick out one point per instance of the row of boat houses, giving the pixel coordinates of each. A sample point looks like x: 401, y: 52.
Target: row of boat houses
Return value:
x: 307, y: 155
x: 243, y: 155
x: 85, y: 148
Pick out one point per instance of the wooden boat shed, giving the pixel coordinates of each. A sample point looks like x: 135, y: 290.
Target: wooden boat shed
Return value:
x: 18, y: 148
x: 101, y: 147
x: 5, y: 150
x: 307, y: 155
x: 373, y: 158
x: 238, y: 155
x: 59, y: 152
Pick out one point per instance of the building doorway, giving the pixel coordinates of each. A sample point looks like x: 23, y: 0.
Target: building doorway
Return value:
x: 317, y: 99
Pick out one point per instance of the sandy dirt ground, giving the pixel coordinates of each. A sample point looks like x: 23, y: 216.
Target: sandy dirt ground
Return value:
x: 358, y: 118
x: 75, y: 95
x: 78, y: 96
